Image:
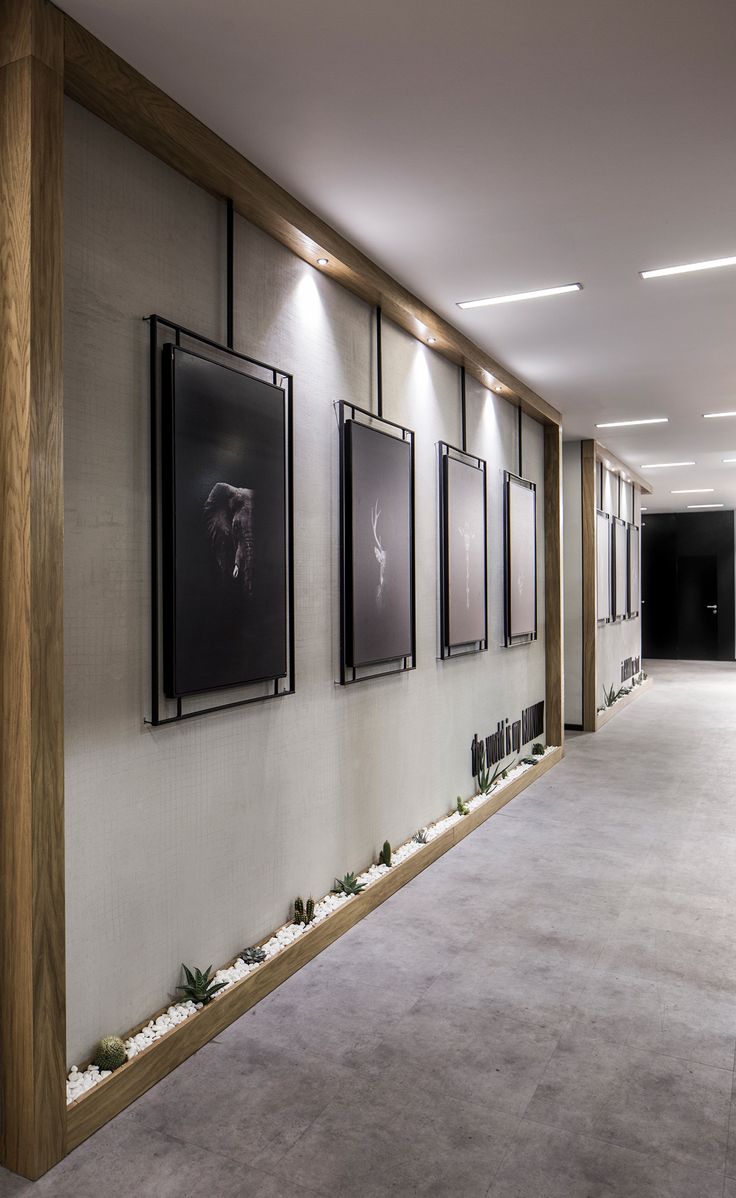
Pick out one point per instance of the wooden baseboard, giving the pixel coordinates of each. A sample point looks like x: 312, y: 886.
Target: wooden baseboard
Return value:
x: 109, y: 1097
x: 603, y: 717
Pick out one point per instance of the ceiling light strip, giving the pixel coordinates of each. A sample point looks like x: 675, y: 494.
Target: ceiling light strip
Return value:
x: 521, y: 295
x: 687, y: 268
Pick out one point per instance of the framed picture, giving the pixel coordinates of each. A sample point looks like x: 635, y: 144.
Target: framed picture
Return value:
x: 604, y: 573
x: 633, y: 598
x: 377, y: 545
x: 520, y: 607
x: 463, y: 552
x: 224, y: 525
x: 620, y: 569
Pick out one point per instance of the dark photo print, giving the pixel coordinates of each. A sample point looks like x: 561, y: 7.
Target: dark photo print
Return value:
x: 224, y: 530
x: 464, y: 517
x: 521, y: 559
x: 378, y: 569
x: 633, y: 588
x: 604, y: 573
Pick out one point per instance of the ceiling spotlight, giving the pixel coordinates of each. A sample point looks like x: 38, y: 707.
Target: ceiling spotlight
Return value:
x: 323, y: 261
x: 664, y: 465
x: 712, y: 264
x: 701, y: 505
x: 498, y: 388
x: 716, y: 415
x: 643, y: 509
x: 521, y: 295
x: 695, y: 491
x: 627, y: 423
x: 431, y: 341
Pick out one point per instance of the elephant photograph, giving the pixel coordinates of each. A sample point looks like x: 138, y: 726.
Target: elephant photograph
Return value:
x: 223, y: 525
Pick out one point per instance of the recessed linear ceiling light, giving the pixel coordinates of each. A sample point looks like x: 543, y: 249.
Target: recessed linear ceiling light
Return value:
x: 716, y: 415
x: 712, y: 264
x: 700, y: 505
x: 643, y: 509
x: 521, y: 295
x: 664, y: 465
x: 695, y: 491
x: 728, y: 459
x: 627, y: 423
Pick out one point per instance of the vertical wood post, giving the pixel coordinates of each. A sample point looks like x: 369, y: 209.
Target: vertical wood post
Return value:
x: 590, y: 613
x: 554, y: 688
x: 32, y: 981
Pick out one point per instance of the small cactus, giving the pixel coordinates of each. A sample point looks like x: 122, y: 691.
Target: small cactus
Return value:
x: 348, y: 885
x: 462, y: 808
x: 252, y: 955
x: 303, y: 912
x: 384, y: 857
x: 110, y: 1053
x: 538, y: 749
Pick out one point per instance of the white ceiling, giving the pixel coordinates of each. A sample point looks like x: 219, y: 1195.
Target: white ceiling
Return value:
x: 479, y: 148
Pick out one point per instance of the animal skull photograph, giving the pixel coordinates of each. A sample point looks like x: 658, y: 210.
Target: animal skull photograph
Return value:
x: 224, y: 526
x: 379, y: 546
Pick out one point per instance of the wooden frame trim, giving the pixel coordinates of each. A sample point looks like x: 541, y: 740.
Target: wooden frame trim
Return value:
x: 591, y: 453
x: 44, y: 54
x: 109, y: 87
x: 117, y: 1091
x: 32, y: 944
x: 604, y: 717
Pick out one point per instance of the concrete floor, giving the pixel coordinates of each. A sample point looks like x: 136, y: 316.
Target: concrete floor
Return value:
x: 547, y: 1012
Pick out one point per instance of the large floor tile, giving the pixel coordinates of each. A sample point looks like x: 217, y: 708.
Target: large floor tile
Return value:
x: 544, y: 1162
x: 395, y: 1141
x: 242, y: 1099
x: 645, y: 1101
x: 476, y: 1056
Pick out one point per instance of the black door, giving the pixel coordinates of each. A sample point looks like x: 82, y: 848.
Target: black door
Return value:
x: 687, y: 567
x: 697, y: 608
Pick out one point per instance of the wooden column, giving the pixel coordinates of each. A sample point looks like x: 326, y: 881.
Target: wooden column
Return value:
x: 554, y: 698
x: 588, y: 463
x: 32, y: 989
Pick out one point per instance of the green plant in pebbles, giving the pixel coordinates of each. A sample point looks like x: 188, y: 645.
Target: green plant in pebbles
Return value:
x: 527, y: 761
x: 252, y: 955
x: 303, y: 912
x: 110, y: 1053
x: 462, y: 808
x: 348, y: 885
x: 384, y: 857
x: 421, y: 837
x: 611, y: 695
x: 199, y: 987
x: 538, y: 749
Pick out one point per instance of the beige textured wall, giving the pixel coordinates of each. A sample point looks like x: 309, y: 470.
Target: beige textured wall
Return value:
x: 186, y: 843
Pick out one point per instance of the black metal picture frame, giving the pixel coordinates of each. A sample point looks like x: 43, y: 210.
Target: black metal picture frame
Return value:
x: 445, y: 455
x: 351, y: 670
x: 603, y: 553
x: 510, y: 637
x: 172, y: 709
x: 633, y: 580
x: 619, y: 570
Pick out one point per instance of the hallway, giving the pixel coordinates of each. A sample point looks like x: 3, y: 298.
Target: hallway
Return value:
x: 546, y: 1012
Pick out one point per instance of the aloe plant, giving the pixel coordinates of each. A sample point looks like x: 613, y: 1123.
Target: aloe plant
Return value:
x: 612, y: 695
x: 421, y: 837
x: 487, y: 780
x: 384, y: 857
x: 348, y: 885
x: 199, y: 986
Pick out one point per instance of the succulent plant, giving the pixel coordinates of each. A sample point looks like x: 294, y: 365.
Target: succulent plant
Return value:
x: 384, y: 857
x: 303, y: 912
x: 487, y: 780
x: 110, y: 1053
x: 199, y: 987
x: 421, y: 837
x: 527, y: 761
x: 253, y: 955
x: 462, y: 808
x: 348, y: 885
x: 612, y: 695
x: 538, y: 749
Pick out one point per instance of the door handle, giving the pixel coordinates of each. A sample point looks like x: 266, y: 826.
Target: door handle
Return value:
x: 711, y: 607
